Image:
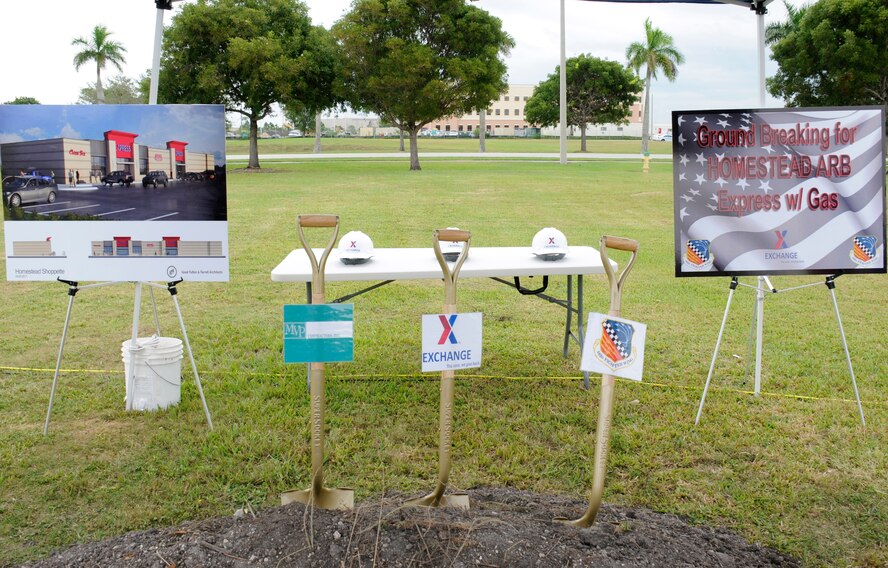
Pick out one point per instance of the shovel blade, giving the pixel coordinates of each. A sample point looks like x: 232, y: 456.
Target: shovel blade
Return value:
x: 454, y: 500
x: 331, y: 499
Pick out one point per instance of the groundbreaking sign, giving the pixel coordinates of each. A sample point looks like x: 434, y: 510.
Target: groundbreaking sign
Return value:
x: 451, y: 341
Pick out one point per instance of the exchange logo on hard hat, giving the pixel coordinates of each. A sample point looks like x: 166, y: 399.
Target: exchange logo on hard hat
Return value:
x: 355, y: 248
x: 549, y: 244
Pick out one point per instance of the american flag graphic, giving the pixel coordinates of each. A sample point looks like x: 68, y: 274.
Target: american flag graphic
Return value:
x: 616, y: 339
x: 741, y: 175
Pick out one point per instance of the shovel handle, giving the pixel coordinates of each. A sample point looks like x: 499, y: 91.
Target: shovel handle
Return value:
x: 318, y: 220
x: 453, y: 235
x: 621, y: 243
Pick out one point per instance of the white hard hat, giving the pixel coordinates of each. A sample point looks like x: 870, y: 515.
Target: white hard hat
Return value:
x: 355, y: 248
x: 451, y: 250
x: 549, y: 244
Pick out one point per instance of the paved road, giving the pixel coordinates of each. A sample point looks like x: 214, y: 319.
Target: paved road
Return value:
x: 464, y: 155
x: 181, y: 201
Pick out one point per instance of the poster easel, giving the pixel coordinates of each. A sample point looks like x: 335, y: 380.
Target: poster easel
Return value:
x: 758, y: 316
x: 74, y: 287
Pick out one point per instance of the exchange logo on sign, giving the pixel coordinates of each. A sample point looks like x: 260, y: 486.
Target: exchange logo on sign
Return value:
x: 451, y: 341
x: 319, y: 333
x: 614, y: 346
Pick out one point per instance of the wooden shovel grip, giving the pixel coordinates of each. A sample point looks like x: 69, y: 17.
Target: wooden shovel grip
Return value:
x: 621, y: 243
x: 453, y: 235
x: 318, y: 220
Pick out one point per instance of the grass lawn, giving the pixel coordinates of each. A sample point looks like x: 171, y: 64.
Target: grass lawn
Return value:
x: 792, y: 469
x: 493, y: 144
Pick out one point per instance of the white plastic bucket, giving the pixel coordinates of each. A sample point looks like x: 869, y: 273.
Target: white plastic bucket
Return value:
x: 157, y: 371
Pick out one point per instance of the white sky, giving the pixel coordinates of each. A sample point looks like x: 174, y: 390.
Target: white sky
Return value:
x: 719, y: 44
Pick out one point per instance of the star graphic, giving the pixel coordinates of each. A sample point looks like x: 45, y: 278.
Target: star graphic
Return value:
x: 769, y: 148
x: 683, y: 213
x: 681, y: 139
x: 701, y: 120
x: 720, y: 182
x: 700, y: 159
x: 713, y: 207
x: 742, y: 184
x: 723, y: 123
x: 683, y: 159
x: 681, y: 177
x: 700, y: 179
x: 681, y: 120
x: 720, y: 157
x: 687, y: 197
x: 765, y: 185
x: 693, y: 191
x: 714, y: 197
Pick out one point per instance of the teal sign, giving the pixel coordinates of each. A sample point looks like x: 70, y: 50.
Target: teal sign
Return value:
x: 319, y: 333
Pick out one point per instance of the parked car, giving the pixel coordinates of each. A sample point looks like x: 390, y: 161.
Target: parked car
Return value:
x: 119, y: 176
x: 155, y: 177
x: 28, y: 189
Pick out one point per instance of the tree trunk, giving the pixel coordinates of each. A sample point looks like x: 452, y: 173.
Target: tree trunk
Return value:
x: 583, y: 138
x: 400, y: 140
x: 318, y: 127
x: 482, y: 130
x: 414, y: 150
x: 100, y: 93
x: 646, y: 126
x: 254, y: 143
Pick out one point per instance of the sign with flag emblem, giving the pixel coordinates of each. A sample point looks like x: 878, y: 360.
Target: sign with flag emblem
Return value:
x: 451, y: 341
x: 813, y: 178
x: 614, y: 346
x: 319, y: 333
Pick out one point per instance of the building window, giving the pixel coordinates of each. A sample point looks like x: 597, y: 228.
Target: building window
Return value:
x: 137, y: 248
x: 517, y: 112
x: 459, y: 128
x: 437, y: 127
x: 447, y: 128
x: 497, y: 112
x: 506, y: 112
x: 107, y: 248
x: 619, y: 129
x: 525, y: 98
x: 469, y: 128
x: 489, y: 111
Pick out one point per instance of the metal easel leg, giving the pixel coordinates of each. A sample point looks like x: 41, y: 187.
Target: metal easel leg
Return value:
x: 580, y: 329
x: 154, y: 307
x: 759, y: 330
x: 752, y: 326
x: 171, y: 286
x: 130, y: 374
x: 72, y: 291
x: 831, y: 284
x: 717, y: 345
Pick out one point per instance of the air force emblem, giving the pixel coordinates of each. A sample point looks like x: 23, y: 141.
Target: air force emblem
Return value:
x: 698, y: 255
x: 614, y: 346
x: 863, y: 250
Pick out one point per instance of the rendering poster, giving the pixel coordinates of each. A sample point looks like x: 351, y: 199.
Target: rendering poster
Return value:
x: 114, y: 192
x: 779, y: 191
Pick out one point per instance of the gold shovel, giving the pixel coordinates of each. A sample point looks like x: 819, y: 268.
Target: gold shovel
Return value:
x: 445, y: 421
x: 318, y: 495
x: 606, y: 409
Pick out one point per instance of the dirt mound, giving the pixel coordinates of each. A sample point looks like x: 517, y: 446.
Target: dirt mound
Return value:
x: 504, y: 527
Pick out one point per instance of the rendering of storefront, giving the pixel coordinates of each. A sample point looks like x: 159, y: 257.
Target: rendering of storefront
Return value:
x: 72, y: 161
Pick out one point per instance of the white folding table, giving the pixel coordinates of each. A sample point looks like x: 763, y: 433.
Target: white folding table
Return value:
x: 390, y: 264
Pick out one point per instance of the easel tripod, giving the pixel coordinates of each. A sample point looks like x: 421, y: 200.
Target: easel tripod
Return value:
x: 73, y: 288
x: 758, y: 314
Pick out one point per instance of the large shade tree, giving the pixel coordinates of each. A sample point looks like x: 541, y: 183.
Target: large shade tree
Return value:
x: 836, y: 55
x: 247, y: 55
x: 413, y: 61
x: 100, y: 48
x: 656, y: 53
x: 598, y: 92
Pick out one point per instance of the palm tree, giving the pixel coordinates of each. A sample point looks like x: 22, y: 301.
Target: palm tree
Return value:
x: 657, y: 53
x: 101, y: 49
x: 779, y: 30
